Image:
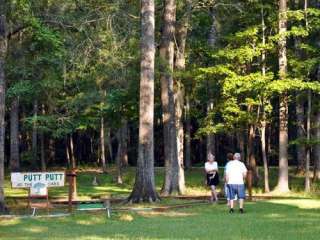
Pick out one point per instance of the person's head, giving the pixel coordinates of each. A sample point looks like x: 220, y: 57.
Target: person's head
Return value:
x: 210, y: 157
x: 237, y: 156
x: 230, y: 156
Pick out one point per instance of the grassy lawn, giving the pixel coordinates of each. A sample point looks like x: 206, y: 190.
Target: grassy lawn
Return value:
x: 294, y: 217
x: 278, y: 219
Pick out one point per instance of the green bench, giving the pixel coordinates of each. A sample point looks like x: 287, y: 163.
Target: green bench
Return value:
x: 95, y: 206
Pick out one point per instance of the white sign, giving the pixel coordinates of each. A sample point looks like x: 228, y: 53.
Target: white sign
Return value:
x: 38, y: 190
x: 37, y: 179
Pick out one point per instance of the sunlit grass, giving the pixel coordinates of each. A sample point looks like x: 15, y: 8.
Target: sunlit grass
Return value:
x: 289, y: 219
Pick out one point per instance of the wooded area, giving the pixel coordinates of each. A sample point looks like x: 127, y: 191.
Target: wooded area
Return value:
x: 160, y: 83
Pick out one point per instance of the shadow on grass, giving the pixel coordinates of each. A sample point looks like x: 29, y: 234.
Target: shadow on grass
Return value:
x: 262, y: 220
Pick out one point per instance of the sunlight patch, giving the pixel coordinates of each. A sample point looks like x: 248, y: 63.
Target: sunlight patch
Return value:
x: 165, y: 214
x: 300, y: 203
x: 9, y: 222
x: 126, y: 217
x: 38, y: 229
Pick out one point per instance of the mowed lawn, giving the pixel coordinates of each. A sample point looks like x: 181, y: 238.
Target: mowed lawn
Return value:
x: 296, y: 217
x: 278, y: 219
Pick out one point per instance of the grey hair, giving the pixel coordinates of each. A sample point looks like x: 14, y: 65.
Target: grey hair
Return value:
x: 210, y: 156
x: 237, y: 156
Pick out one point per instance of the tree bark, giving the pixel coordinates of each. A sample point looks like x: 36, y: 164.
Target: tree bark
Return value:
x: 72, y: 153
x: 52, y: 153
x: 144, y: 188
x: 264, y: 157
x: 316, y: 171
x: 42, y: 153
x: 67, y: 152
x: 283, y: 180
x: 124, y: 144
x: 240, y: 141
x: 180, y: 65
x: 212, y: 39
x: 14, y: 136
x: 307, y: 178
x: 3, y: 52
x: 301, y: 149
x: 171, y: 183
x: 102, y: 145
x: 188, y: 163
x: 118, y: 158
x: 211, y: 148
x: 109, y: 143
x: 180, y: 135
x: 42, y: 147
x: 73, y: 166
x: 264, y: 121
x: 316, y: 167
x: 35, y: 134
x: 251, y: 154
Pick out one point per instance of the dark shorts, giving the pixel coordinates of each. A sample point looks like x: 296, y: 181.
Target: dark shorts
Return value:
x: 238, y: 190
x: 213, y: 179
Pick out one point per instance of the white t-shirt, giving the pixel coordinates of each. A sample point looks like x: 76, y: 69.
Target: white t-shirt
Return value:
x: 234, y: 172
x: 211, y: 166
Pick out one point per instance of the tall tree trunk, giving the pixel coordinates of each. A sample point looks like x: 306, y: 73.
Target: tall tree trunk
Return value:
x: 264, y: 121
x: 264, y: 156
x: 283, y: 180
x: 180, y: 135
x: 52, y: 152
x: 72, y: 153
x: 307, y: 178
x: 3, y: 52
x: 144, y: 188
x: 240, y: 140
x: 316, y: 167
x: 301, y: 149
x: 119, y: 156
x: 211, y: 143
x: 188, y: 134
x: 180, y: 65
x: 109, y: 143
x: 124, y: 144
x: 316, y: 170
x: 14, y: 136
x: 102, y: 145
x: 300, y: 119
x: 212, y: 39
x: 251, y: 154
x: 42, y: 146
x: 73, y: 166
x: 42, y: 153
x: 171, y: 183
x: 67, y: 152
x: 35, y: 134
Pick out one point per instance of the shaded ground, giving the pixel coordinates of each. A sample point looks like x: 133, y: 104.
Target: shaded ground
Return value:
x: 195, y: 182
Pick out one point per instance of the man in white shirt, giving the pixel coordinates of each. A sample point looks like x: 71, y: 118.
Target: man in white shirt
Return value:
x: 235, y: 173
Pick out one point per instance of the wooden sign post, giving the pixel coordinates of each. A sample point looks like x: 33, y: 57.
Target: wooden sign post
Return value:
x: 72, y: 187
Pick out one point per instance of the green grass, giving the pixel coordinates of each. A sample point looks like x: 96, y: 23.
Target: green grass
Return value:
x: 295, y: 217
x: 281, y: 219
